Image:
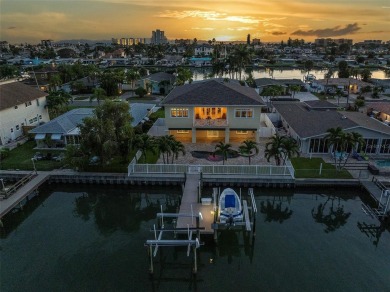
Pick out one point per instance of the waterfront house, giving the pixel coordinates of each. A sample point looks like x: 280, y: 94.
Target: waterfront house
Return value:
x: 21, y: 106
x: 159, y: 83
x: 350, y: 85
x: 380, y: 111
x: 308, y: 122
x: 64, y: 130
x: 203, y: 50
x: 214, y: 110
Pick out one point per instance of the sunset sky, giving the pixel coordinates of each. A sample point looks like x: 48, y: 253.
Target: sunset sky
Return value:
x: 270, y: 20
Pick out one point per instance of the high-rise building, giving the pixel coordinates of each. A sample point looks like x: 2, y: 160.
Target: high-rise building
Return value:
x: 158, y: 37
x: 248, y: 39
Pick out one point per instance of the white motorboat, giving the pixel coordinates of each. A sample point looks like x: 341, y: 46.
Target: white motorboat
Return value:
x: 230, y: 208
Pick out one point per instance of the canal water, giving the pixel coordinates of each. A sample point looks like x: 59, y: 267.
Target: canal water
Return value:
x: 203, y: 73
x: 91, y: 238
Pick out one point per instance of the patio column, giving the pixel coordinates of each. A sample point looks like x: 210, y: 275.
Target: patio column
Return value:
x: 193, y: 131
x: 227, y: 135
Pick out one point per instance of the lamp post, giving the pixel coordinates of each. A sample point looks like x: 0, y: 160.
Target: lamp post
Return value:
x: 2, y: 184
x: 33, y: 162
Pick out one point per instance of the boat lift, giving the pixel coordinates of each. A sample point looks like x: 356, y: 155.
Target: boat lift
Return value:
x: 154, y: 244
x: 382, y: 209
x: 249, y: 209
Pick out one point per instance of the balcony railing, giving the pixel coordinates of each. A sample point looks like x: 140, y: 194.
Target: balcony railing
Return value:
x: 210, y: 123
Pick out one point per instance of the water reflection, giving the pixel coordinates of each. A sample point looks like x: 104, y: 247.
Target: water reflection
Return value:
x: 274, y: 211
x: 230, y: 246
x: 334, y: 218
x: 124, y: 213
x: 374, y: 231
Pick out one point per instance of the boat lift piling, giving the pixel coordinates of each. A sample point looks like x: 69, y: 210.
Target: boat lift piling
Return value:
x: 158, y: 240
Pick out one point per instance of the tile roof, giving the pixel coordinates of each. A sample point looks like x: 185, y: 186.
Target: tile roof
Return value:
x: 160, y: 76
x: 139, y: 111
x: 70, y: 120
x: 16, y: 93
x: 320, y: 104
x: 213, y: 92
x: 383, y: 107
x: 342, y: 81
x: 367, y: 122
x: 308, y: 123
x: 64, y: 123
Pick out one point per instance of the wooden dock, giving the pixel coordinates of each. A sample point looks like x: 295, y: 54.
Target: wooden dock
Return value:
x: 22, y: 192
x: 190, y: 205
x: 381, y: 196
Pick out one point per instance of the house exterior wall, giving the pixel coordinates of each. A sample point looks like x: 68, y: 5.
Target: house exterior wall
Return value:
x: 13, y: 119
x: 252, y: 124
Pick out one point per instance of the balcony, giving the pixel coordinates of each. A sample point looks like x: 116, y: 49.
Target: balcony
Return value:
x: 211, y: 123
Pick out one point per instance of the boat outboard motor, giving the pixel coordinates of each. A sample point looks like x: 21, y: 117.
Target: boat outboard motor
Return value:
x: 231, y: 220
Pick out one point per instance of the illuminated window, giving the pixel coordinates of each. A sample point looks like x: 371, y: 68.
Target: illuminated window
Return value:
x: 182, y: 131
x: 241, y: 132
x: 244, y: 113
x: 212, y: 134
x: 179, y: 112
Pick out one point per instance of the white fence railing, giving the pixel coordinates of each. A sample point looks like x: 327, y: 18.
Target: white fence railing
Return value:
x: 252, y: 170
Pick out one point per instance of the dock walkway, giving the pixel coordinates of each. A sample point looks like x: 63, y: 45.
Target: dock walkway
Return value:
x: 21, y: 193
x: 190, y: 205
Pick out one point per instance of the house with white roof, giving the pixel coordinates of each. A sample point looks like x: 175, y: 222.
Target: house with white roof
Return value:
x: 20, y: 106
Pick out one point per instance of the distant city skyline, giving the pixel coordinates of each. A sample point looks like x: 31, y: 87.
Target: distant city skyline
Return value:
x: 271, y: 21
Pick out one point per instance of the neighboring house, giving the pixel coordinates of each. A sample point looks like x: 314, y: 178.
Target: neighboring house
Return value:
x: 308, y: 123
x: 160, y: 83
x: 203, y: 50
x: 262, y: 83
x: 64, y: 130
x: 87, y: 85
x: 213, y: 110
x: 199, y: 62
x: 41, y: 77
x: 383, y: 83
x: 380, y: 111
x: 20, y: 106
x: 350, y: 85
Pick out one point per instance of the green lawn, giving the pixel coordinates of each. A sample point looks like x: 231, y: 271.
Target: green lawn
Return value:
x: 158, y: 114
x: 310, y: 168
x: 20, y: 158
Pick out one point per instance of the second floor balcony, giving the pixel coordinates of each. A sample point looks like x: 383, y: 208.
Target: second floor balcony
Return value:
x: 212, y: 123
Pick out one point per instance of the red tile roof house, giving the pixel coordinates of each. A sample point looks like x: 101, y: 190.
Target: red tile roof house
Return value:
x: 20, y: 105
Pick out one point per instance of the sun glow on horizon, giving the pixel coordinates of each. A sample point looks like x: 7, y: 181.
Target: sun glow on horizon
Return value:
x: 26, y: 20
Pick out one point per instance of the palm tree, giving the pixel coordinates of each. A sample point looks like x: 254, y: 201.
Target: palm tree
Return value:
x: 131, y: 76
x: 98, y: 94
x: 294, y: 89
x: 246, y: 149
x: 223, y: 149
x: 144, y: 143
x: 163, y: 146
x: 55, y: 82
x: 56, y: 102
x: 274, y: 149
x: 290, y: 149
x: 176, y: 148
